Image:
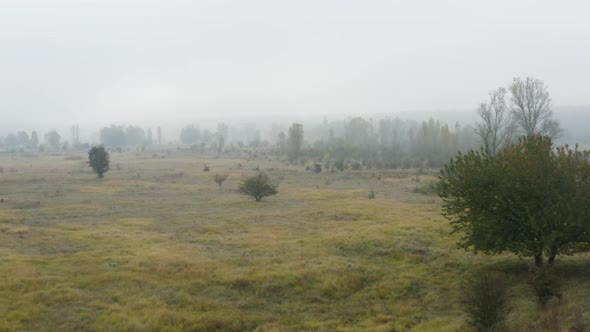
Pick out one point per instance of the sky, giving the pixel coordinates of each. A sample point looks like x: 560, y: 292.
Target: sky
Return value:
x: 144, y: 61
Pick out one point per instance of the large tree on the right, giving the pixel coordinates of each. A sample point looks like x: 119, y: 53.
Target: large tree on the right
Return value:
x: 530, y: 198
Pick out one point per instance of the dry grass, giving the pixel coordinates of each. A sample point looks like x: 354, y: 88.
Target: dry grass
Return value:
x: 157, y: 245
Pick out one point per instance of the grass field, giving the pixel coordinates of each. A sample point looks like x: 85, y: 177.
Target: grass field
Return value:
x: 157, y: 245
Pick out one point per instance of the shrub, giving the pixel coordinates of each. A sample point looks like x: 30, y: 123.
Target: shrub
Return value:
x: 206, y: 168
x: 258, y: 186
x: 317, y: 168
x: 486, y: 301
x: 546, y: 285
x: 219, y: 179
x: 98, y: 159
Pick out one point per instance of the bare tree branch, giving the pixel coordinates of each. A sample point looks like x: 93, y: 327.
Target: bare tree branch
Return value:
x: 497, y: 126
x: 531, y: 108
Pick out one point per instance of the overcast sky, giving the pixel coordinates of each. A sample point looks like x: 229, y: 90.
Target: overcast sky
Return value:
x: 113, y: 61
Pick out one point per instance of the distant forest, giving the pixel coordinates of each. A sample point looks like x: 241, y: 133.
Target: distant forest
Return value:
x: 386, y: 143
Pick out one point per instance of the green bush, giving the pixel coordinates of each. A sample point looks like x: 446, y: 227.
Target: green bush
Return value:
x: 486, y: 301
x: 258, y: 186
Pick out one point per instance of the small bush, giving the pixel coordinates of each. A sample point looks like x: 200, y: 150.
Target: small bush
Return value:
x: 371, y: 194
x: 219, y: 179
x: 206, y: 168
x: 486, y: 301
x: 545, y: 285
x: 429, y: 188
x: 258, y: 186
x: 317, y: 168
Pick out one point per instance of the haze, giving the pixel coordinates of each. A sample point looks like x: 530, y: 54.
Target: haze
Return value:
x: 146, y: 61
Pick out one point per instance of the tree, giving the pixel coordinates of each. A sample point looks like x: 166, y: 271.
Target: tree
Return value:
x: 53, y: 139
x: 258, y: 186
x: 159, y: 136
x: 99, y: 160
x: 135, y: 135
x: 75, y: 132
x: 281, y: 142
x: 222, y: 134
x: 190, y: 135
x: 295, y: 140
x: 34, y: 140
x: 496, y: 126
x: 113, y: 136
x: 219, y: 179
x: 531, y: 108
x: 149, y: 139
x: 530, y: 199
x: 359, y: 133
x: 23, y: 139
x: 11, y: 141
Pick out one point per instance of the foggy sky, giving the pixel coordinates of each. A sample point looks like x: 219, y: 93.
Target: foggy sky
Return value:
x: 122, y: 60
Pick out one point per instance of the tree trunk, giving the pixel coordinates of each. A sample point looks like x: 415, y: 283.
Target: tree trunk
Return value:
x: 539, y: 260
x: 552, y: 255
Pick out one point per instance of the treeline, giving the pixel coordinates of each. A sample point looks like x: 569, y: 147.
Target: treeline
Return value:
x: 112, y: 136
x: 123, y: 136
x: 21, y: 140
x: 386, y: 143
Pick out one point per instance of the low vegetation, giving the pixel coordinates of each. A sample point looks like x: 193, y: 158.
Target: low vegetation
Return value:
x: 258, y: 186
x: 486, y: 301
x: 156, y: 246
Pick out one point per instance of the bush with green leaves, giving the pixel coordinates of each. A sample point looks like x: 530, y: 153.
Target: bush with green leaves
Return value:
x: 546, y: 285
x: 219, y: 179
x: 486, y: 301
x: 258, y: 186
x: 99, y: 160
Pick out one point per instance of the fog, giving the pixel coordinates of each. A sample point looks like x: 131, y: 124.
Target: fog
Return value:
x: 174, y: 62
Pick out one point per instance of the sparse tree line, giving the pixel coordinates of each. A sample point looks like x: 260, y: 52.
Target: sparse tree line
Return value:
x: 50, y: 141
x: 521, y: 108
x: 123, y: 136
x: 342, y: 144
x: 389, y: 143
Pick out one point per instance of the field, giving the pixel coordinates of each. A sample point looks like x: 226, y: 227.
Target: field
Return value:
x: 157, y: 245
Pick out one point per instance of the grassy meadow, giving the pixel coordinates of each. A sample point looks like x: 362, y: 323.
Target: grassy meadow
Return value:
x: 157, y: 246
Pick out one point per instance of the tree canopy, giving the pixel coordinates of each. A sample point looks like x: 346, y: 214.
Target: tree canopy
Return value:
x: 530, y: 198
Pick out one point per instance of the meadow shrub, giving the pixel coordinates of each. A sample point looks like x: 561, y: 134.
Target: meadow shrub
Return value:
x: 339, y: 165
x: 355, y: 166
x: 545, y: 285
x: 317, y: 168
x: 98, y: 160
x: 258, y: 186
x: 219, y: 179
x: 486, y: 301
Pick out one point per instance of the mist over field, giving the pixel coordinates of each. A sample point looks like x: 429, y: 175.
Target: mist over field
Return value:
x: 224, y: 165
x: 151, y: 61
